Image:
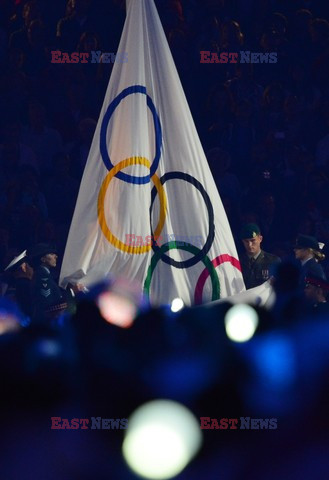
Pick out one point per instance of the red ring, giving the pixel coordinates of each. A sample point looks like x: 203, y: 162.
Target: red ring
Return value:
x: 205, y: 274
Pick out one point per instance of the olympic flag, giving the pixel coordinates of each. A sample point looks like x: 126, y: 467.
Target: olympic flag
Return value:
x: 148, y: 208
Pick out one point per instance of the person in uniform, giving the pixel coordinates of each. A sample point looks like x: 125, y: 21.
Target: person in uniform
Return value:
x: 19, y: 273
x: 257, y: 265
x: 308, y: 252
x: 316, y: 291
x: 50, y: 300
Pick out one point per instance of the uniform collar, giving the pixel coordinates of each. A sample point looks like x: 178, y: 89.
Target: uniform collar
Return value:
x: 45, y: 268
x: 254, y: 256
x: 305, y: 261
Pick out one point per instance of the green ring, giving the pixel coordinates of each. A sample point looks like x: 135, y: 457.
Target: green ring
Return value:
x: 188, y: 248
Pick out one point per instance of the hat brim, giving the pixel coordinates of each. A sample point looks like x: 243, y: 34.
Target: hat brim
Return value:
x: 16, y: 262
x: 301, y: 247
x: 40, y: 251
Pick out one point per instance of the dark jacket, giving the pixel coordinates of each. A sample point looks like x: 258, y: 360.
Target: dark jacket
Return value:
x: 256, y: 272
x: 311, y: 269
x: 50, y: 299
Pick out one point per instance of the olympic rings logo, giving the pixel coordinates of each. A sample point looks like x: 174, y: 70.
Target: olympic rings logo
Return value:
x: 199, y: 255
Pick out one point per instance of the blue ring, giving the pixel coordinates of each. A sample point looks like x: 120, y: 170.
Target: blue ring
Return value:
x: 157, y: 128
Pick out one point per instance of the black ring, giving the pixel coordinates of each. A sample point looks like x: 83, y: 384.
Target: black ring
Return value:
x: 211, y: 235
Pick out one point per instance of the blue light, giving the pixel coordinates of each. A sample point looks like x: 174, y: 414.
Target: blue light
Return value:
x: 274, y: 360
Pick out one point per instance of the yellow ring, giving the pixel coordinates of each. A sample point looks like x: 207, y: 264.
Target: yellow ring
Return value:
x: 101, y: 200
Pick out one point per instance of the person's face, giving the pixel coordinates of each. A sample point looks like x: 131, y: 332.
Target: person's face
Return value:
x: 301, y: 253
x: 50, y: 260
x: 252, y: 245
x: 28, y: 270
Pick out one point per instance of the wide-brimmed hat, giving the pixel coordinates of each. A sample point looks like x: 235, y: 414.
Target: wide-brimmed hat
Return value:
x: 16, y: 262
x: 306, y: 241
x: 41, y: 249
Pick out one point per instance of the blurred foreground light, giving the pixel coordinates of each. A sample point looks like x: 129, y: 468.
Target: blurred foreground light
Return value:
x: 8, y: 322
x: 116, y: 309
x: 118, y: 299
x: 161, y: 439
x: 11, y: 318
x: 275, y: 361
x: 241, y: 322
x: 48, y: 348
x: 176, y: 305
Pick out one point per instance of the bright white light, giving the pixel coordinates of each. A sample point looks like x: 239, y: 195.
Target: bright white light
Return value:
x: 177, y: 304
x: 161, y: 439
x: 241, y: 322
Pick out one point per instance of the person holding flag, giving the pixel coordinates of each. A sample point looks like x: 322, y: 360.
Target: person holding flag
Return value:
x: 257, y: 265
x: 49, y: 299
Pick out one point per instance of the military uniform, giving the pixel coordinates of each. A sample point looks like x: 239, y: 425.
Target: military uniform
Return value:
x: 257, y: 271
x: 316, y: 290
x: 50, y: 299
x: 257, y: 266
x: 312, y: 268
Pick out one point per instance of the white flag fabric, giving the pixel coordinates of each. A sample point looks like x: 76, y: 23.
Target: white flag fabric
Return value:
x: 262, y: 296
x: 148, y: 208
